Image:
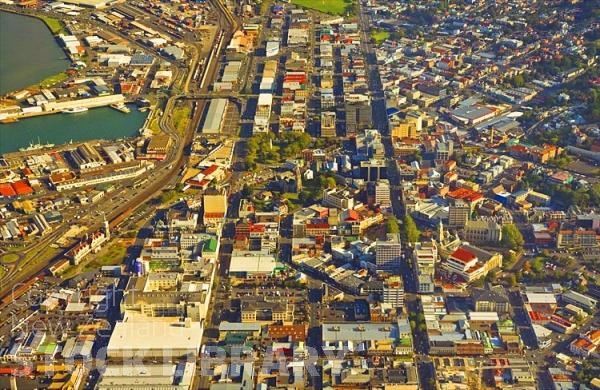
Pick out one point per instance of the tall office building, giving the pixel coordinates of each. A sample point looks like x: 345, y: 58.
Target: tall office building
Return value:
x: 328, y: 124
x: 358, y: 117
x: 373, y: 170
x: 393, y: 292
x: 458, y: 214
x: 388, y: 254
x: 382, y: 193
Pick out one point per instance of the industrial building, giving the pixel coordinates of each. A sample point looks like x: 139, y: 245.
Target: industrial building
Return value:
x: 86, y: 157
x: 155, y: 339
x: 97, y: 4
x: 156, y: 376
x: 359, y: 337
x: 252, y: 264
x: 98, y: 101
x: 213, y: 122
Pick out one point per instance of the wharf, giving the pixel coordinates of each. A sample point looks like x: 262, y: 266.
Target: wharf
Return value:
x: 58, y: 107
x: 18, y: 155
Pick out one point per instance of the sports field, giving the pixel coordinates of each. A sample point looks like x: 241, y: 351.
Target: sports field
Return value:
x: 333, y: 7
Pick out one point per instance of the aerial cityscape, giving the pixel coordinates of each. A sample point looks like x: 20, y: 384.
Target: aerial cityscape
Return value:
x: 300, y: 194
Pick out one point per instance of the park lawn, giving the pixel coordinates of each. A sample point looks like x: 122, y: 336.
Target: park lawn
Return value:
x: 114, y: 255
x: 379, y: 36
x: 332, y: 7
x: 182, y: 118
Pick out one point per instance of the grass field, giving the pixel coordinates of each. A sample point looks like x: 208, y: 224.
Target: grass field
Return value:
x: 9, y: 258
x: 54, y: 79
x: 379, y: 36
x: 54, y: 25
x: 332, y: 7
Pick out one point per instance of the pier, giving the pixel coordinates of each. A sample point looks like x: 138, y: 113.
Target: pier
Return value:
x: 58, y: 107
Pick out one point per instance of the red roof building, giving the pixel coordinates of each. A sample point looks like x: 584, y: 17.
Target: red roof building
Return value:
x: 21, y: 187
x: 466, y: 195
x: 463, y: 256
x: 7, y: 191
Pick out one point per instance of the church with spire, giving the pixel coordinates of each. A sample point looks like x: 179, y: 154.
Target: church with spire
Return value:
x: 447, y: 242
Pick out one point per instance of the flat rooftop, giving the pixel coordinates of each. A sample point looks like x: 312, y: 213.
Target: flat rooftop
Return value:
x: 359, y: 332
x: 155, y: 335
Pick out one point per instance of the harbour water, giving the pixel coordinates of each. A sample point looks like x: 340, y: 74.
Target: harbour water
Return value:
x: 28, y: 52
x: 96, y: 123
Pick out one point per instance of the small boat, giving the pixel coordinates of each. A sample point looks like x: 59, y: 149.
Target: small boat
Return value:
x: 75, y: 110
x: 9, y: 120
x: 121, y: 107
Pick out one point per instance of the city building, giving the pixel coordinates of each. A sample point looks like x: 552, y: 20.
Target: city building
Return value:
x: 214, y: 207
x: 383, y: 193
x: 178, y: 376
x: 471, y: 263
x: 491, y: 299
x: 328, y: 124
x: 458, y: 214
x: 482, y: 231
x: 155, y: 339
x: 388, y: 254
x: 393, y: 292
x: 373, y: 170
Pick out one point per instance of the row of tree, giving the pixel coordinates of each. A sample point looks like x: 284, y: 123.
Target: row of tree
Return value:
x: 409, y: 232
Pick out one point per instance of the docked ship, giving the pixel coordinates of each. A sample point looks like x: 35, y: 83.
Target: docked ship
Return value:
x: 121, y: 107
x: 37, y: 146
x: 75, y: 110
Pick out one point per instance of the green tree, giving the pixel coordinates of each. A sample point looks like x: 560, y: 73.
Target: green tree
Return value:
x: 512, y: 280
x: 392, y: 225
x: 409, y: 232
x: 331, y: 182
x: 537, y: 265
x: 518, y: 81
x: 510, y: 259
x: 512, y: 237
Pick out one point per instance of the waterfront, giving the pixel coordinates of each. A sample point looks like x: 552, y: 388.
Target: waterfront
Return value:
x: 97, y: 123
x: 28, y: 52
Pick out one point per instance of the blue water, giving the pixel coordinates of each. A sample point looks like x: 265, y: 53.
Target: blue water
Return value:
x: 28, y: 52
x: 97, y: 123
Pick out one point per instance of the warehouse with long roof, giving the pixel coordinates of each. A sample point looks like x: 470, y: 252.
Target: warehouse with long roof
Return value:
x: 213, y: 121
